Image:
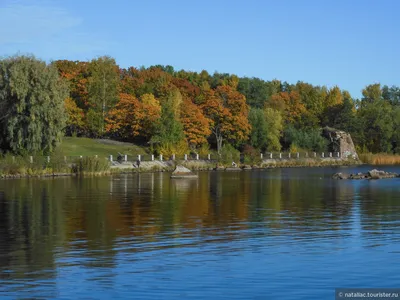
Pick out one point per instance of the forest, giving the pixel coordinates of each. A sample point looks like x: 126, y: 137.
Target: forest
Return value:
x: 173, y: 111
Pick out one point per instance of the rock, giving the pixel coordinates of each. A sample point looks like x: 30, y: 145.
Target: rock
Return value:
x: 182, y: 172
x: 340, y: 141
x: 373, y: 174
x: 339, y: 176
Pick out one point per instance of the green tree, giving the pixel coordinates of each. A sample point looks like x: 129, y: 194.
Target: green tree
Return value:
x: 258, y: 134
x: 31, y: 105
x: 103, y: 91
x: 376, y: 118
x: 169, y: 129
x: 274, y: 125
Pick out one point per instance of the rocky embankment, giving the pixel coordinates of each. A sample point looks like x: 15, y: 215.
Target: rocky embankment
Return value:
x: 373, y: 174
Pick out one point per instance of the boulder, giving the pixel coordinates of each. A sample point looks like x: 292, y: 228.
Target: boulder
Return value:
x: 373, y: 174
x: 182, y: 172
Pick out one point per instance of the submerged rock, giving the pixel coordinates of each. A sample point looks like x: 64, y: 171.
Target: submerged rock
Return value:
x: 182, y: 172
x: 373, y: 174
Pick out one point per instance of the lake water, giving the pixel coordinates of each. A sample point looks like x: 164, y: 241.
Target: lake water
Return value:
x: 264, y: 234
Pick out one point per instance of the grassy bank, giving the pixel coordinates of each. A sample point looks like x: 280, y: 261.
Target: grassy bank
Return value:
x: 380, y: 159
x: 73, y: 146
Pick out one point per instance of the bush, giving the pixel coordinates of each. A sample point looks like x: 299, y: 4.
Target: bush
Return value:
x: 251, y: 155
x: 229, y: 154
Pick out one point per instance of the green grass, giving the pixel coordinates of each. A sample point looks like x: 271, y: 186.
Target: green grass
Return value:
x: 73, y: 146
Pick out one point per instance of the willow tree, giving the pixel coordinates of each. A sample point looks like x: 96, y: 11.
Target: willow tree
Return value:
x: 32, y: 114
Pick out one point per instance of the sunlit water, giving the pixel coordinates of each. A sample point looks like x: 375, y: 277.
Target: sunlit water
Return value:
x: 267, y: 234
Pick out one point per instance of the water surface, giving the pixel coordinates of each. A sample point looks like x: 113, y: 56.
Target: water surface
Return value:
x: 265, y: 234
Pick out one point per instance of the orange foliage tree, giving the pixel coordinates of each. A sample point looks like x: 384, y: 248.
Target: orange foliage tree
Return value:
x: 196, y: 126
x: 289, y: 104
x: 228, y: 112
x: 131, y: 117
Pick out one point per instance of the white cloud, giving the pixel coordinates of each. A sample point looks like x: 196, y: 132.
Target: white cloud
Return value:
x: 26, y: 23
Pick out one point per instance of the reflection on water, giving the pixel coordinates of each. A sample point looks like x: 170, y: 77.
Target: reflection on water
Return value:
x: 265, y: 234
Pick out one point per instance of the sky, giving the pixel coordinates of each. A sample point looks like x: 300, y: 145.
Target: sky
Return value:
x: 349, y: 43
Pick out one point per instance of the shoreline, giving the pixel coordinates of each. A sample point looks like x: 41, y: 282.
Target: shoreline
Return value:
x: 196, y: 165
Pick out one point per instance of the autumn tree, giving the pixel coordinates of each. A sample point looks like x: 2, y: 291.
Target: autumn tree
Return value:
x: 32, y: 114
x: 195, y: 125
x: 228, y: 112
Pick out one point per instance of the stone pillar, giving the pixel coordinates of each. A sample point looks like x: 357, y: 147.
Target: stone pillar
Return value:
x: 197, y: 156
x: 323, y: 155
x: 152, y: 157
x: 111, y: 158
x: 280, y: 155
x: 139, y: 157
x: 160, y: 157
x: 209, y: 156
x: 185, y: 156
x: 125, y: 158
x: 270, y: 155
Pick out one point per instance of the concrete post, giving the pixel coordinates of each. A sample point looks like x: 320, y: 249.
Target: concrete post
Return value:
x: 197, y: 156
x: 261, y: 155
x: 289, y: 155
x: 270, y: 155
x: 31, y: 159
x: 209, y: 156
x: 111, y: 158
x: 65, y: 158
x: 173, y: 156
x: 306, y: 154
x: 126, y: 158
x: 13, y: 158
x: 338, y: 154
x: 298, y: 155
x: 280, y: 155
x: 315, y: 154
x: 323, y: 155
x: 160, y: 157
x: 330, y: 154
x: 139, y: 157
x: 185, y: 156
x: 152, y: 157
x: 48, y: 159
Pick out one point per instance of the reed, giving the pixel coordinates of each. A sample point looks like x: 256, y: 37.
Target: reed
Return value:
x: 380, y: 158
x: 91, y: 166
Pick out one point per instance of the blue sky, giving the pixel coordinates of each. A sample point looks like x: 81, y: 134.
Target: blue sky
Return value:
x: 349, y: 43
